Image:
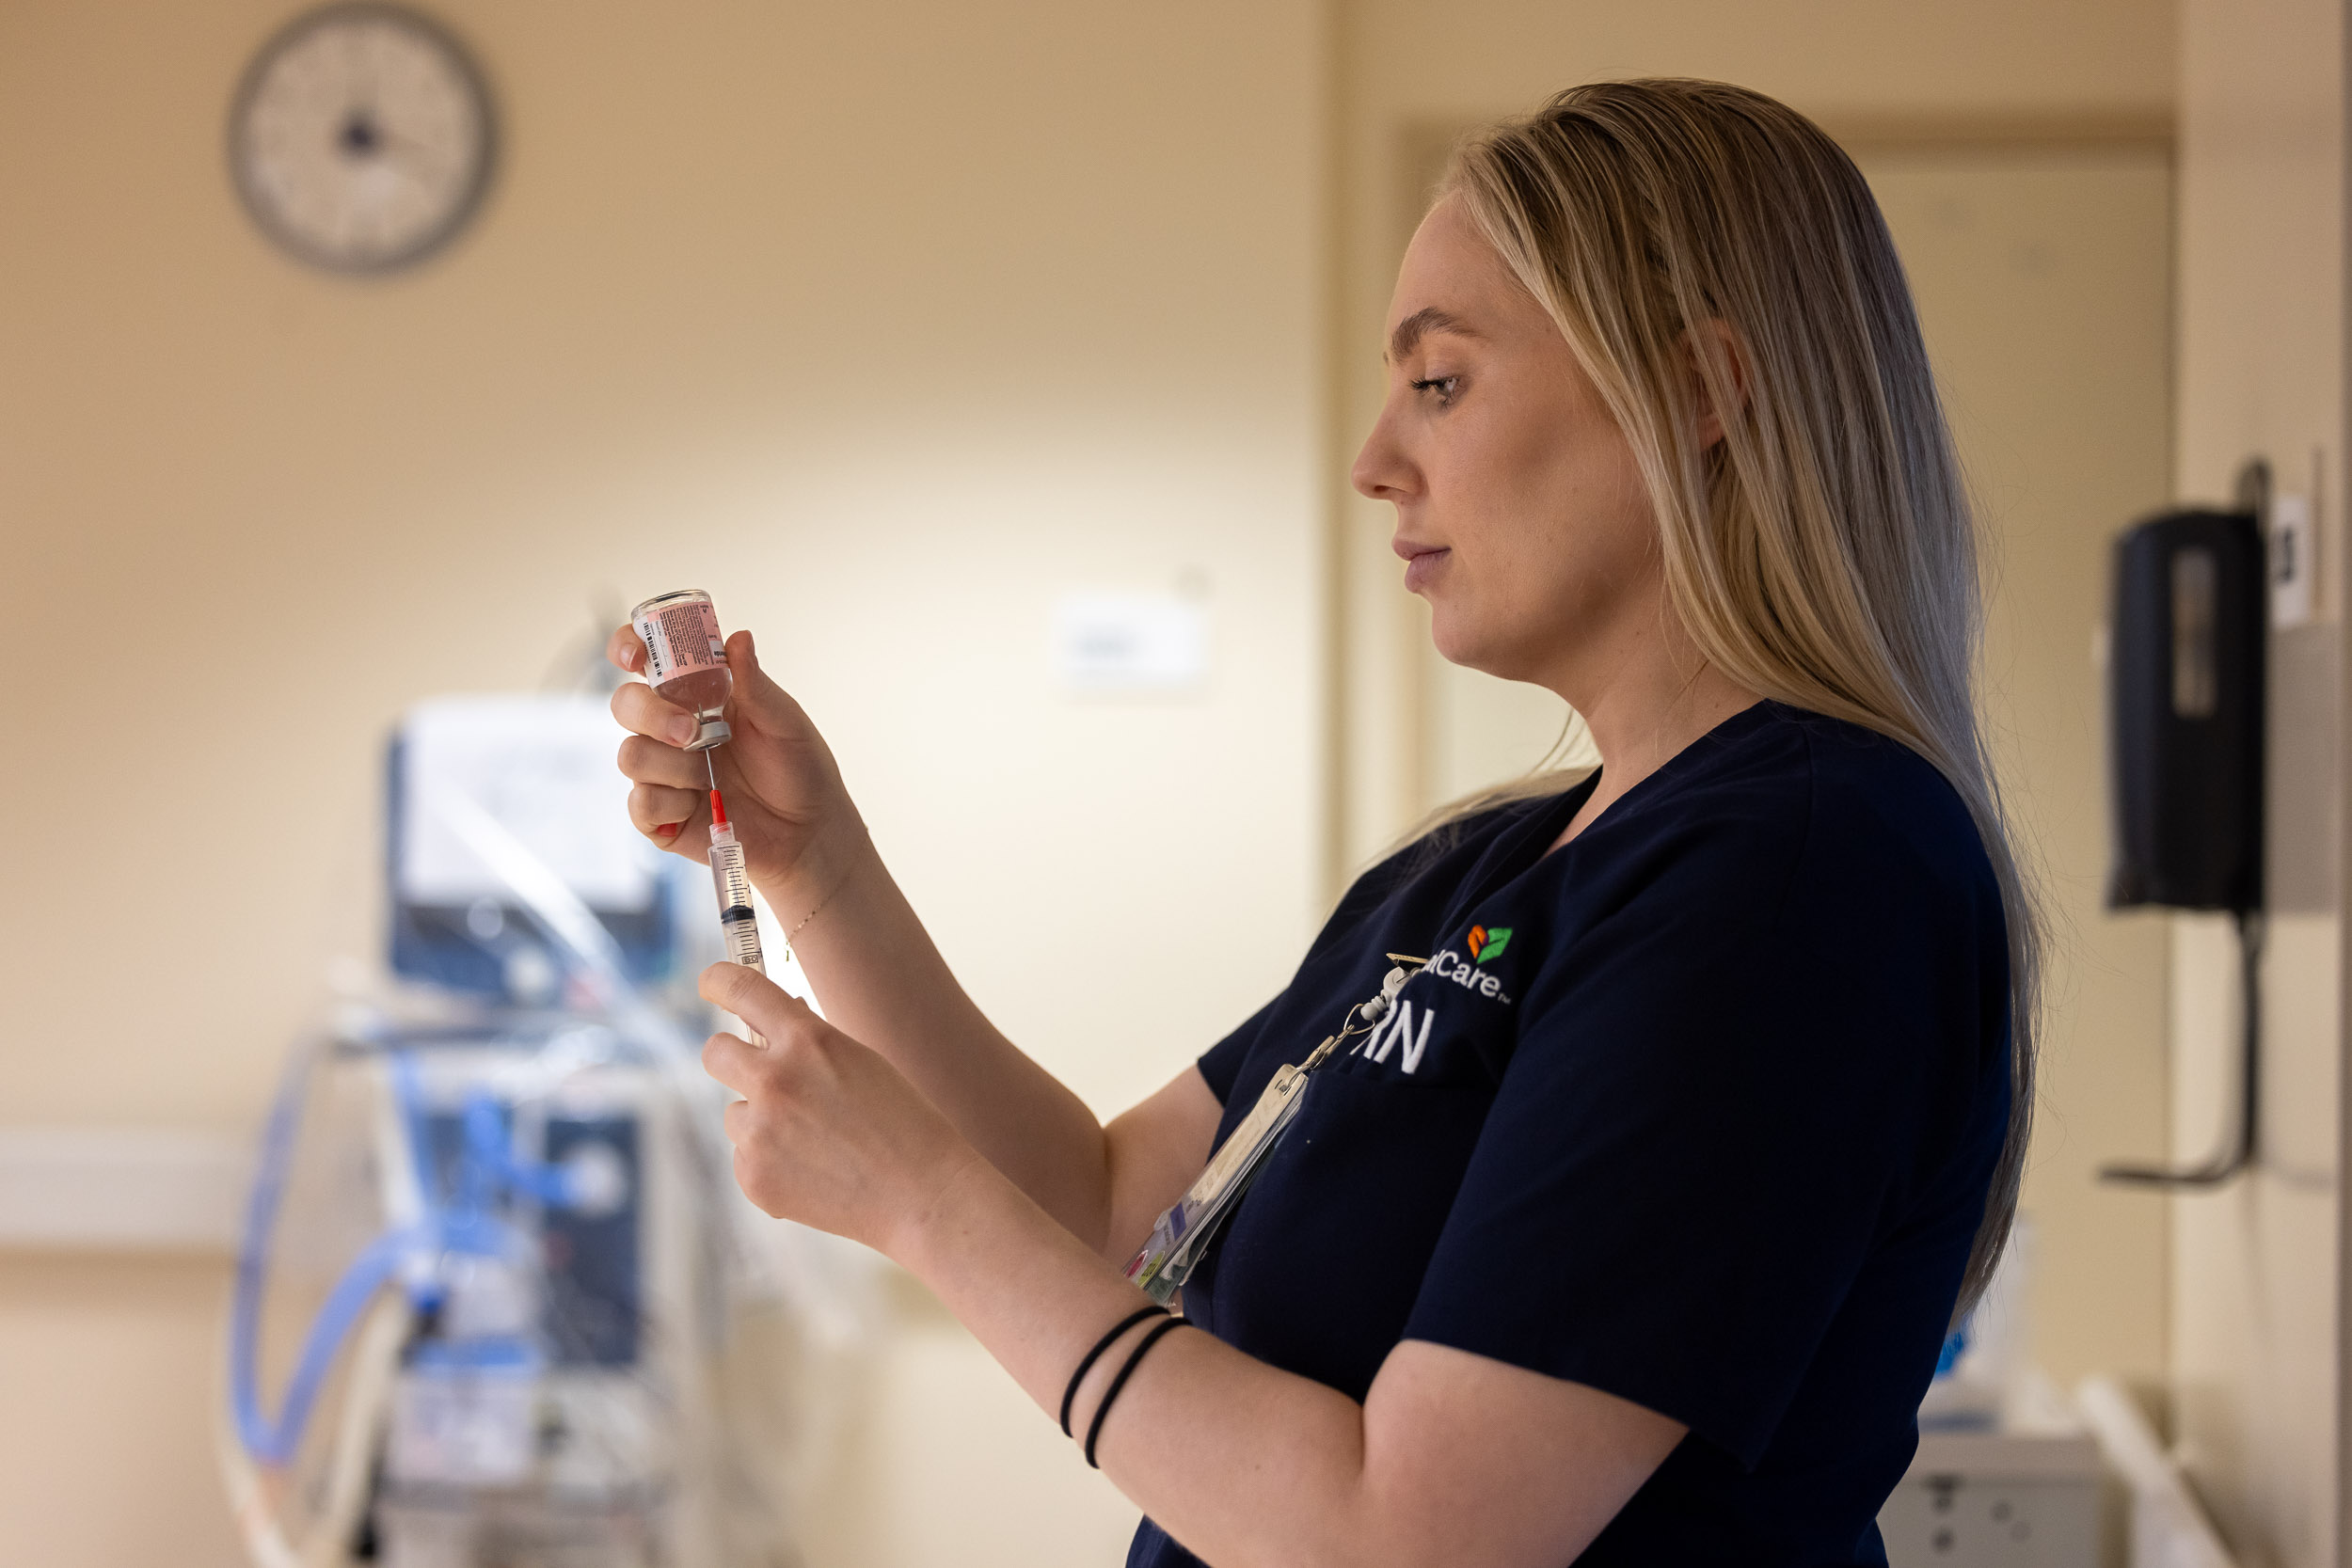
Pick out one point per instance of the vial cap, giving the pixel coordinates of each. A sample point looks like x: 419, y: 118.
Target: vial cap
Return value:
x: 714, y: 731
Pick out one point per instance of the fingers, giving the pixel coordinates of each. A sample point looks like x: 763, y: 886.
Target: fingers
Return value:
x: 671, y: 783
x: 756, y: 694
x: 736, y: 1063
x: 625, y: 650
x: 649, y: 762
x: 639, y: 712
x: 745, y: 1125
x: 661, y: 813
x: 756, y: 999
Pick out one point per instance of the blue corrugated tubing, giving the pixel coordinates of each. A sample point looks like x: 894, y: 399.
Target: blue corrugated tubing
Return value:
x: 275, y: 1442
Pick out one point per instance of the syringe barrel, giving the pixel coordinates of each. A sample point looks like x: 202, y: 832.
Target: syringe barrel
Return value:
x: 742, y: 934
x: 737, y: 921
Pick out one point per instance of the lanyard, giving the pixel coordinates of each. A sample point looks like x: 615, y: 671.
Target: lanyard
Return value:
x: 1180, y: 1238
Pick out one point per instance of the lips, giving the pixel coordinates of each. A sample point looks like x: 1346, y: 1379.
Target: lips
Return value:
x: 1422, y: 562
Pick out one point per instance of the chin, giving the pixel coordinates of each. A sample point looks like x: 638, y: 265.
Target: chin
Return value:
x: 1457, y: 643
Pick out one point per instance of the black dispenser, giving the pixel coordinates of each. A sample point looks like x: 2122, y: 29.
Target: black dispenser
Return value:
x: 2186, y: 696
x: 2186, y: 712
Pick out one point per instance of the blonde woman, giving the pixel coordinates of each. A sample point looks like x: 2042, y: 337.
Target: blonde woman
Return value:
x: 1674, y: 1107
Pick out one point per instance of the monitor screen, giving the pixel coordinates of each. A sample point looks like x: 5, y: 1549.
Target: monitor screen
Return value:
x: 482, y: 785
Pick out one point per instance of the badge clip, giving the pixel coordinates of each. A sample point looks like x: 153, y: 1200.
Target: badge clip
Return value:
x: 1180, y: 1237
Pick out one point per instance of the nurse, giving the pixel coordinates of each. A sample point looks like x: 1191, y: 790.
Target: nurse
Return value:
x: 1673, y: 1108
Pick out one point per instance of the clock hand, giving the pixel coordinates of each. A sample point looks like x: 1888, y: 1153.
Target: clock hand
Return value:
x: 358, y: 53
x: 420, y: 161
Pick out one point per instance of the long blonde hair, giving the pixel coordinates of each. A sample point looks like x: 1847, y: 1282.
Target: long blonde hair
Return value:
x: 1823, y: 552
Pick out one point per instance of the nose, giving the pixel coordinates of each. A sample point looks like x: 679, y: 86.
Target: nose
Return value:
x: 1381, y: 471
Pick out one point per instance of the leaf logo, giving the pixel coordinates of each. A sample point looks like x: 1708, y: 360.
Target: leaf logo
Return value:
x: 1485, y: 944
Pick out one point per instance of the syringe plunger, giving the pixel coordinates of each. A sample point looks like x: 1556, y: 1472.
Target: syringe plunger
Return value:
x: 737, y: 920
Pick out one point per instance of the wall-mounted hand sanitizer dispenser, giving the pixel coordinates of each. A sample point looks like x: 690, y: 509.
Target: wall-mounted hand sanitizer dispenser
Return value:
x: 2185, y: 740
x: 2184, y: 706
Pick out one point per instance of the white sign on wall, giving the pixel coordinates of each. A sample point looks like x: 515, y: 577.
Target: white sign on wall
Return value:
x: 1107, y: 642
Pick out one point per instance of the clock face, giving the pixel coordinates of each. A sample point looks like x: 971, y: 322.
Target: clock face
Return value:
x: 360, y: 140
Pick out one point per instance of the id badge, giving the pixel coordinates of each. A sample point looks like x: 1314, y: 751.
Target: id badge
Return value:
x: 1182, y: 1234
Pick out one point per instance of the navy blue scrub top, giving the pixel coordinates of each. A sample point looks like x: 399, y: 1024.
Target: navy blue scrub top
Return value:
x: 1700, y: 1110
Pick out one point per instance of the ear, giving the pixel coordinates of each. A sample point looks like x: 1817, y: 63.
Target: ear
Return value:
x: 1715, y: 336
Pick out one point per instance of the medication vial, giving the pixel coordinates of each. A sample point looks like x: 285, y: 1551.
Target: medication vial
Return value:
x: 686, y: 660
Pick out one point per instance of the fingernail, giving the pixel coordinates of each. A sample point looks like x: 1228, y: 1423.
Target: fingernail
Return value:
x: 667, y: 830
x: 680, y: 730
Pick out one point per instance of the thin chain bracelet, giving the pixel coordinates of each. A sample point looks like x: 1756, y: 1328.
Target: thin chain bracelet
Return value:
x: 827, y: 898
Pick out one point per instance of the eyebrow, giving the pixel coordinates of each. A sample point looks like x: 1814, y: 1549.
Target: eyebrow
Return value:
x: 1429, y: 319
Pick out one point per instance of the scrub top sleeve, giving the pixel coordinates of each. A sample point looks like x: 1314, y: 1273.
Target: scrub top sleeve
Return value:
x: 1685, y: 1164
x: 1221, y: 1063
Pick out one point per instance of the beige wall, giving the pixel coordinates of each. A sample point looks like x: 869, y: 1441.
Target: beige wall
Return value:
x: 106, y: 1374
x: 886, y: 323
x: 2258, y: 1340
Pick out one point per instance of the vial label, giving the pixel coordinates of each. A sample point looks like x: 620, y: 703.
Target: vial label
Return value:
x: 680, y: 639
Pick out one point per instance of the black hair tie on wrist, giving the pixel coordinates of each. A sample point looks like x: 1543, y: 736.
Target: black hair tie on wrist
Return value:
x: 1105, y: 1342
x: 1134, y: 1358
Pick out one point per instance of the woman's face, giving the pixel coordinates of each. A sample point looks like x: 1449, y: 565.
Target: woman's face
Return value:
x: 1520, y: 510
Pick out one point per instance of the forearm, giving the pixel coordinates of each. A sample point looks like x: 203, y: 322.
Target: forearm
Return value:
x: 882, y: 981
x: 1452, y: 1458
x: 1243, y: 1463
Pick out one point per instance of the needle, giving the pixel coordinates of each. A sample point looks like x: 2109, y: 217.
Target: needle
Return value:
x: 712, y: 766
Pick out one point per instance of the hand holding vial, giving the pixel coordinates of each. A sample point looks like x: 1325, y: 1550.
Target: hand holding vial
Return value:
x: 783, y: 798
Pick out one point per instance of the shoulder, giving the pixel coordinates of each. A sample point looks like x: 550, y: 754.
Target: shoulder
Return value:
x: 1796, y: 890
x: 1781, y: 806
x: 1884, y: 816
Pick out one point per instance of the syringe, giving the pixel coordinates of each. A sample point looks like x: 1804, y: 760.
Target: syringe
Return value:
x: 736, y: 919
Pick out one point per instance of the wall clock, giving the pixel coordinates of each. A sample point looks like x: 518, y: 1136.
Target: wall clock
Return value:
x: 361, y: 138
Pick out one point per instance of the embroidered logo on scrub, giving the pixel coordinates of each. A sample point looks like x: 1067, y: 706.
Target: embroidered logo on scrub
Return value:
x: 1398, y: 1029
x: 1484, y: 943
x: 1407, y: 1024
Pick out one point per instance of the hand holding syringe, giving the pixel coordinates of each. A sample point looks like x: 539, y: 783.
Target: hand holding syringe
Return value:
x: 686, y: 662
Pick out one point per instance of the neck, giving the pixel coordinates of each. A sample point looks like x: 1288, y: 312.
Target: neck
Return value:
x: 1654, y: 697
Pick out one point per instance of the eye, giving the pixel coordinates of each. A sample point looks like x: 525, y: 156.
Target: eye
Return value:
x: 1443, y: 387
